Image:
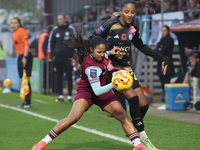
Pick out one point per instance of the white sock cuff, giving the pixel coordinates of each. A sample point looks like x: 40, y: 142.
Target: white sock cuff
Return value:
x: 136, y: 142
x: 47, y: 139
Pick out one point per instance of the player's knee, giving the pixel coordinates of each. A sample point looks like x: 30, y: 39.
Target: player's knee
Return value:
x: 120, y: 115
x: 72, y: 119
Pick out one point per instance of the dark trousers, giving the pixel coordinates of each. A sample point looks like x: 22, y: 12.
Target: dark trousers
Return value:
x: 28, y: 69
x: 164, y: 79
x: 63, y: 65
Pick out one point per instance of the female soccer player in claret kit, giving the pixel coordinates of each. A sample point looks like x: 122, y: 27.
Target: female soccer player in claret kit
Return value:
x: 121, y: 32
x: 92, y: 89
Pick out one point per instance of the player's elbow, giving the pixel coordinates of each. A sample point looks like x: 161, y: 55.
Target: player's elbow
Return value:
x: 97, y: 92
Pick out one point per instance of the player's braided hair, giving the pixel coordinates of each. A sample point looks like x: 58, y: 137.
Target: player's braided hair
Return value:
x: 83, y: 45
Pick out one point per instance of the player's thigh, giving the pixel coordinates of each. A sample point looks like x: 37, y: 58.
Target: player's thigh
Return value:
x: 142, y: 98
x: 116, y: 109
x: 78, y: 108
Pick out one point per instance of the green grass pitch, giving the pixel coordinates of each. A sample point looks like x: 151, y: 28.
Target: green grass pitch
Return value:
x: 20, y: 131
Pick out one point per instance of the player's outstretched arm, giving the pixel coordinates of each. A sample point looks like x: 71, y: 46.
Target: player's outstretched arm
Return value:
x: 93, y: 73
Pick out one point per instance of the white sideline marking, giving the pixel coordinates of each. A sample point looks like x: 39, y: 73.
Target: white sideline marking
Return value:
x: 74, y: 126
x: 40, y: 101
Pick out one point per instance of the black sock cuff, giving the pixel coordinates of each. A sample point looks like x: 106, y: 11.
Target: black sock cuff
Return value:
x: 134, y: 100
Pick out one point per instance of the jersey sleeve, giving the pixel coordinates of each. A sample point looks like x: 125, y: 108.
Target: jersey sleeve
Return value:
x: 51, y: 43
x: 104, y: 29
x: 24, y: 36
x: 93, y: 73
x: 137, y: 41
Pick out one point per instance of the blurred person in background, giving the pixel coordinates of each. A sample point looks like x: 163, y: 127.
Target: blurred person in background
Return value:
x: 166, y: 6
x: 192, y: 5
x: 25, y: 58
x: 180, y: 78
x: 61, y: 54
x: 2, y: 51
x: 193, y: 70
x: 182, y: 5
x: 43, y: 52
x: 165, y: 47
x: 33, y: 41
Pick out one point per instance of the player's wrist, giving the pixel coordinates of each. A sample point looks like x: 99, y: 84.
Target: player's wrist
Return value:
x: 25, y: 57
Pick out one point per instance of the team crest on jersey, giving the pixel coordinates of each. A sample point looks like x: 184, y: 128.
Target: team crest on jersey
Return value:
x: 57, y: 35
x: 100, y: 30
x: 130, y: 36
x: 93, y: 73
x: 67, y: 36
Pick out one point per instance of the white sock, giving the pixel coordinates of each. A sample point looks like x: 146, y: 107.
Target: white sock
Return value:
x: 69, y: 97
x: 61, y: 96
x: 47, y: 139
x: 136, y: 142
x: 143, y: 135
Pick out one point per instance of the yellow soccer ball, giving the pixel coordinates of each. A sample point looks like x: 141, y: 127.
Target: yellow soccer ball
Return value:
x: 122, y: 80
x: 7, y: 83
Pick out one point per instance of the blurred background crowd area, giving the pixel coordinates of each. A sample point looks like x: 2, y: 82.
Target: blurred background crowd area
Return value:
x: 89, y: 14
x: 37, y: 14
x: 110, y: 6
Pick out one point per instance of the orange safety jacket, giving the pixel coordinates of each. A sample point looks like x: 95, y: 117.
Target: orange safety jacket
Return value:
x: 40, y: 43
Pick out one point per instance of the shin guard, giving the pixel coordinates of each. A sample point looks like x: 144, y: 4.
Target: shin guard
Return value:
x: 135, y: 113
x: 143, y: 110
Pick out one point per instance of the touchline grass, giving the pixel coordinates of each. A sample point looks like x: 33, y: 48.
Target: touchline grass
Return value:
x: 20, y: 131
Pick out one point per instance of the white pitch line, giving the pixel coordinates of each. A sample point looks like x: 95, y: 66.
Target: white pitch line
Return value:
x: 74, y: 126
x: 40, y: 101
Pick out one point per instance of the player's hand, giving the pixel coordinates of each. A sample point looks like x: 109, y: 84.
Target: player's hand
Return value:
x: 119, y: 56
x: 128, y: 68
x: 164, y: 67
x: 115, y: 51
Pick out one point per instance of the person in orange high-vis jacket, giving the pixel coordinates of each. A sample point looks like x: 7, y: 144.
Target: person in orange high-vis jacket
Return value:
x: 43, y: 50
x: 44, y: 54
x: 40, y: 43
x: 25, y: 59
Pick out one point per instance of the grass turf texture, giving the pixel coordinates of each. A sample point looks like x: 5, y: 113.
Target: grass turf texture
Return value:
x: 22, y: 131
